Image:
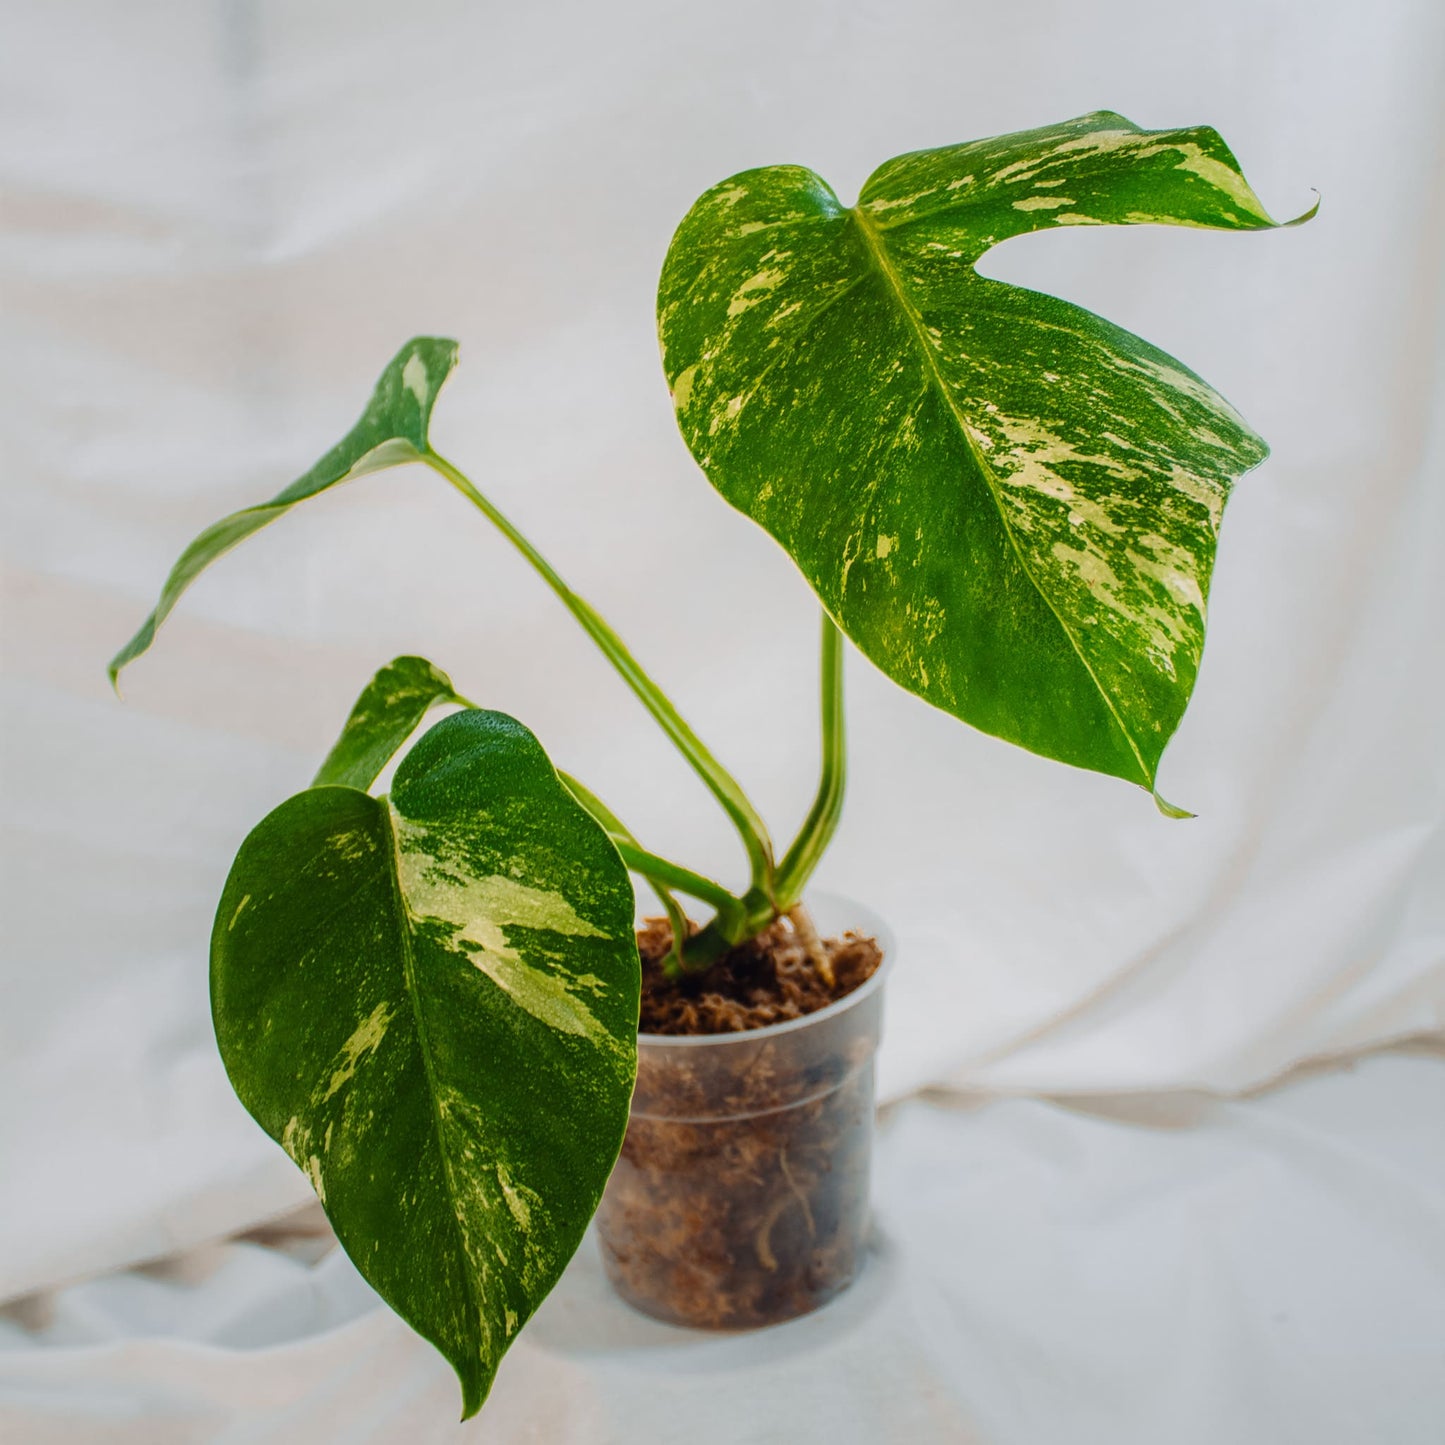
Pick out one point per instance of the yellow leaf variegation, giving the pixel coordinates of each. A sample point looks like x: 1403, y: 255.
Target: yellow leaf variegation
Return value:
x: 430, y: 1001
x: 1008, y: 503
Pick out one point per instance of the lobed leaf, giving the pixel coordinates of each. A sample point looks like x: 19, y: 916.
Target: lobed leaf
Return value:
x: 1009, y: 504
x: 430, y: 1001
x: 392, y: 430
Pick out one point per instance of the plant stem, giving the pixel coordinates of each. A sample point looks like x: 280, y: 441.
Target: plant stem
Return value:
x: 719, y: 781
x: 760, y: 908
x: 661, y: 875
x: 672, y: 965
x: 822, y: 821
x: 650, y: 865
x: 674, y: 875
x: 807, y: 934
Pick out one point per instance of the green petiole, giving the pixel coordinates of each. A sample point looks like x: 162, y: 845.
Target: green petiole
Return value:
x: 723, y: 786
x: 807, y: 849
x: 661, y: 875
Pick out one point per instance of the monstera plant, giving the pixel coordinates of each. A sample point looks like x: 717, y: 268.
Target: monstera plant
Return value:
x: 430, y: 998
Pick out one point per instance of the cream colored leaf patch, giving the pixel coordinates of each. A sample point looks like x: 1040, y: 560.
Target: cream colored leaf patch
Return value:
x: 480, y: 914
x: 430, y: 1001
x: 846, y: 377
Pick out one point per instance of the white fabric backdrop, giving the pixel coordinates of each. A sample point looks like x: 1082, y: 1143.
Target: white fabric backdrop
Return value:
x: 1182, y: 1271
x: 221, y: 219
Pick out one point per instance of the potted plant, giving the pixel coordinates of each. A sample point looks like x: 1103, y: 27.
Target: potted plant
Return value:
x: 430, y: 998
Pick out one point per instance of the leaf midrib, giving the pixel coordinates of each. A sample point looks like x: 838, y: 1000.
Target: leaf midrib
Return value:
x: 409, y: 973
x: 883, y: 263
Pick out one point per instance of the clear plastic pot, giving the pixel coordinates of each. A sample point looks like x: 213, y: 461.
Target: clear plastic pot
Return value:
x: 741, y: 1197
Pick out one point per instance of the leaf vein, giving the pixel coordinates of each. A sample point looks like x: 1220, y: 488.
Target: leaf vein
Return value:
x: 889, y: 273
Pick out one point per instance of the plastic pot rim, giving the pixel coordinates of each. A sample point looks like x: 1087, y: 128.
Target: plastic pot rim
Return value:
x: 834, y: 913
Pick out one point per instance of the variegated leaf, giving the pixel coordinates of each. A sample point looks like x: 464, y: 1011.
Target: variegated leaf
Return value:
x: 430, y: 1001
x: 1009, y: 504
x: 392, y: 430
x: 384, y: 717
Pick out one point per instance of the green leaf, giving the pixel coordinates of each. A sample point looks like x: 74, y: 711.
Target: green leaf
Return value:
x: 430, y: 1001
x: 385, y: 716
x: 392, y: 430
x: 1009, y: 504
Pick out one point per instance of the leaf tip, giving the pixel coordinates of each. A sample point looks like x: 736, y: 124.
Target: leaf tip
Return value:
x: 138, y: 645
x: 117, y: 664
x: 1170, y: 810
x: 1308, y: 215
x: 476, y: 1385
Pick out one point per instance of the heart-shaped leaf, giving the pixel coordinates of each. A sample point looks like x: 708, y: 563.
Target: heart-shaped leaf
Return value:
x: 1009, y: 504
x: 430, y: 1001
x: 384, y: 717
x: 392, y: 430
